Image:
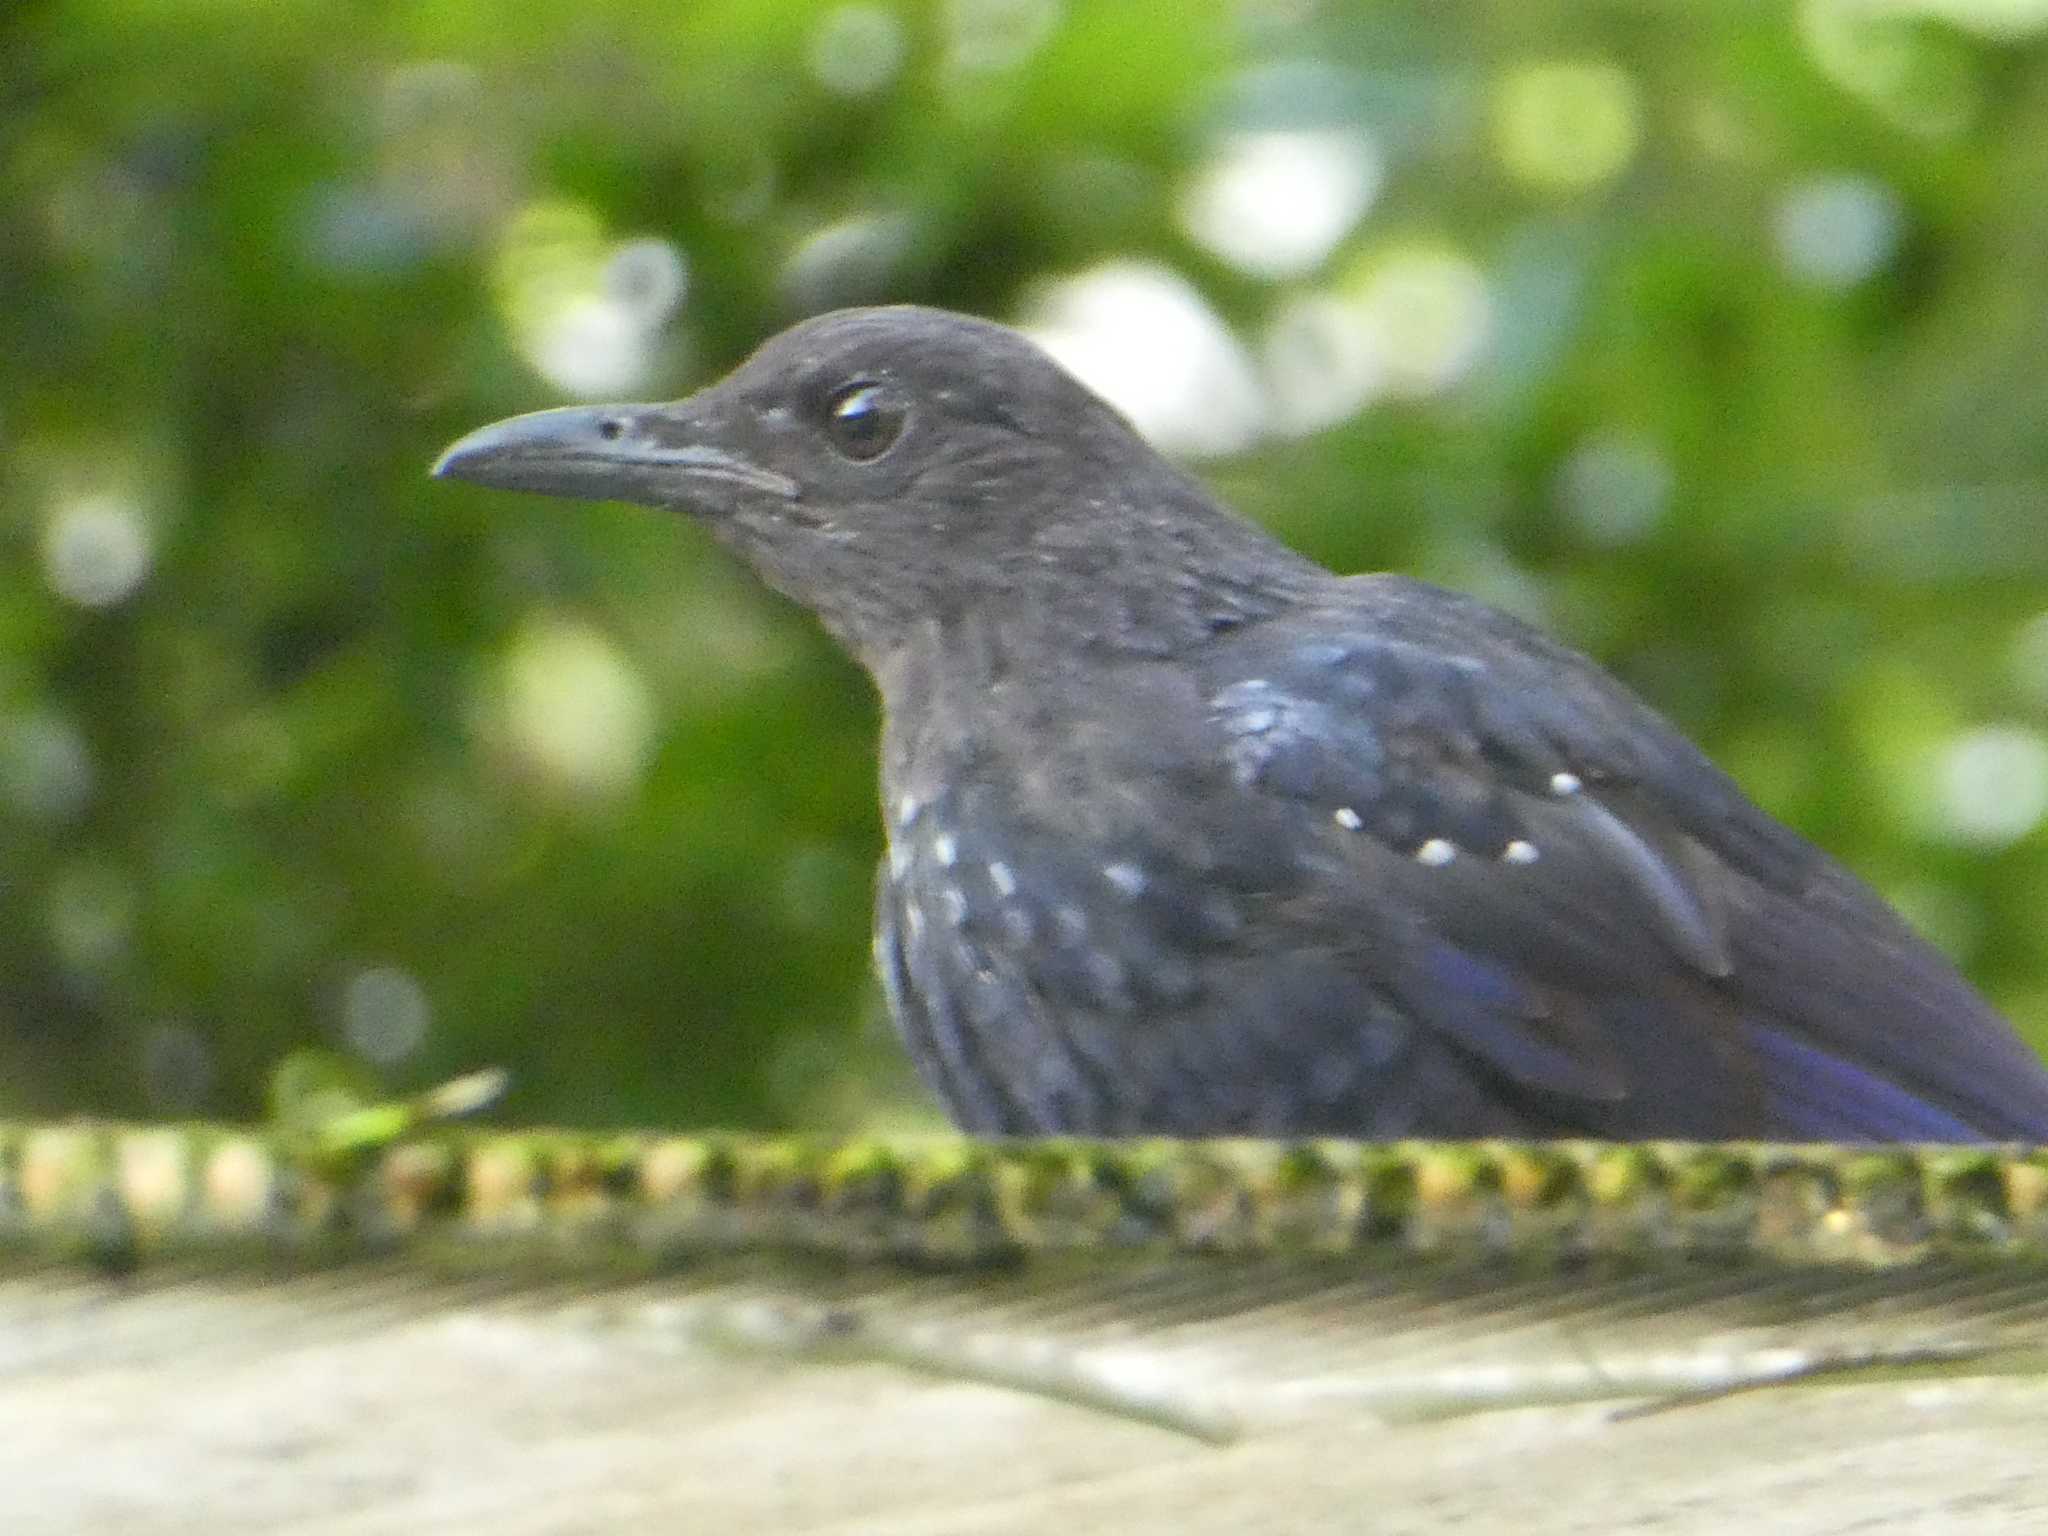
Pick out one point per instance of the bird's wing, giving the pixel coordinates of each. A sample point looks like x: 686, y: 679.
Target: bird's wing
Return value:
x: 1558, y: 882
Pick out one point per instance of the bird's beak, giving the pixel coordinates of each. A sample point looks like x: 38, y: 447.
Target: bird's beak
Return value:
x: 602, y: 453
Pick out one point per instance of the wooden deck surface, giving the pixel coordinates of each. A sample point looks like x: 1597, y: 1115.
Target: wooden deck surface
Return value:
x: 1180, y: 1395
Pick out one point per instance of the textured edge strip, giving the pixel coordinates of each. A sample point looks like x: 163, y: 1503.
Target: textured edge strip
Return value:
x: 115, y: 1195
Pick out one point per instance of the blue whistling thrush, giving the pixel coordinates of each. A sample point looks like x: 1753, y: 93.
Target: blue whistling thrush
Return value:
x: 1188, y: 835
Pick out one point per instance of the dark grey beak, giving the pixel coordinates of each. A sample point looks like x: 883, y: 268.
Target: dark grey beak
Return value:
x: 602, y: 453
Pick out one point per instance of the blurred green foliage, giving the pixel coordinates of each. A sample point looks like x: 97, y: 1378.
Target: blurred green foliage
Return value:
x: 1714, y: 336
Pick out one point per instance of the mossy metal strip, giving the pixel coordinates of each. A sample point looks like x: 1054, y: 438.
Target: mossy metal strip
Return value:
x: 121, y: 1194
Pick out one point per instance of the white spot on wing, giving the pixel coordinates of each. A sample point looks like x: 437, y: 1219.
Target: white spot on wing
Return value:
x: 1347, y: 818
x: 946, y: 849
x: 1519, y: 851
x: 906, y: 809
x: 1003, y: 878
x: 1436, y: 852
x: 1127, y: 878
x: 1565, y: 784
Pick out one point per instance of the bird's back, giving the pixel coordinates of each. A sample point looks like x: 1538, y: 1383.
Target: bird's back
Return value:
x: 1389, y: 863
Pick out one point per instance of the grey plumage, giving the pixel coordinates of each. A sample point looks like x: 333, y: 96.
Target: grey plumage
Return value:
x: 1189, y: 835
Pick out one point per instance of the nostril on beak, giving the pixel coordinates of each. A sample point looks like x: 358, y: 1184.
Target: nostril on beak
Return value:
x: 611, y: 429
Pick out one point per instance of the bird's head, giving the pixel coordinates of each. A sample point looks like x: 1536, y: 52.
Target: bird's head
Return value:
x: 885, y: 467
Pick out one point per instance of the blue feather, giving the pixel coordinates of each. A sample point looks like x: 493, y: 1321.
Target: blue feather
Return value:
x: 1812, y: 1093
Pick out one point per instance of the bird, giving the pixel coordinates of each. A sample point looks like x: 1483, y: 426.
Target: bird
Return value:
x: 1187, y: 835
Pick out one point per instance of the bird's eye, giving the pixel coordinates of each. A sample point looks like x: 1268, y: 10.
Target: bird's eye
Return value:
x: 864, y: 420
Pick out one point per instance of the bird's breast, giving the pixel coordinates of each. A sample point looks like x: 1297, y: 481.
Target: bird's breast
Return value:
x: 989, y: 894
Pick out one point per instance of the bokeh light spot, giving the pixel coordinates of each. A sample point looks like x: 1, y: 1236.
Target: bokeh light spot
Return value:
x: 850, y: 261
x: 1275, y: 203
x: 590, y: 348
x: 1991, y: 785
x: 384, y: 1014
x: 1431, y: 312
x: 1614, y: 487
x: 2008, y: 21
x: 1918, y: 78
x: 1566, y: 125
x: 46, y: 767
x: 984, y: 36
x: 647, y: 279
x: 1322, y: 360
x: 1836, y: 231
x: 1141, y: 336
x: 96, y: 550
x: 359, y: 232
x: 587, y: 313
x: 91, y: 915
x: 858, y: 49
x: 574, y: 709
